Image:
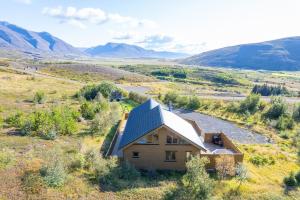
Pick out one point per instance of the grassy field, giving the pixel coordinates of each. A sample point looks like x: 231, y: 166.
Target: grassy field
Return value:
x: 29, y: 153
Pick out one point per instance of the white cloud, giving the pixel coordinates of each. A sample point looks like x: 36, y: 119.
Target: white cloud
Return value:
x: 95, y: 16
x: 24, y: 1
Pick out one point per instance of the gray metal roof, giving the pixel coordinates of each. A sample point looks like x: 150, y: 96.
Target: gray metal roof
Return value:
x: 150, y: 116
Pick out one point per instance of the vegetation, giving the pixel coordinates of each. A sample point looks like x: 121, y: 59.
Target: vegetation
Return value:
x: 39, y: 97
x: 266, y: 90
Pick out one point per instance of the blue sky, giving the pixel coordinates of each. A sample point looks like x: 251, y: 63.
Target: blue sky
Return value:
x: 190, y: 26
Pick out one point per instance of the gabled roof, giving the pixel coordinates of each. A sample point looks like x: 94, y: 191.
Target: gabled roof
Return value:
x: 150, y: 116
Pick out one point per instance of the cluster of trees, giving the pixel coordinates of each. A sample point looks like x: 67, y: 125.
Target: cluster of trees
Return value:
x: 267, y: 90
x: 136, y: 97
x: 179, y: 101
x: 46, y: 123
x: 176, y: 73
x: 197, y: 183
x: 224, y: 78
x: 106, y: 89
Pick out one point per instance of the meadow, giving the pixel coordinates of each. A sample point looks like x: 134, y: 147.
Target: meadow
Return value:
x: 24, y: 157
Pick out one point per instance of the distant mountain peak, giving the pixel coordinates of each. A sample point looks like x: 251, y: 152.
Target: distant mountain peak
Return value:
x: 123, y: 50
x: 281, y: 54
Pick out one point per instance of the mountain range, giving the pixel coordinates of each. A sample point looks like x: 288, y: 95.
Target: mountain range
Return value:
x: 121, y: 50
x: 281, y: 54
x: 41, y: 44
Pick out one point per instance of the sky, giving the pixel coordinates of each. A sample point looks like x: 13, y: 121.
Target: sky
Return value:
x: 189, y: 26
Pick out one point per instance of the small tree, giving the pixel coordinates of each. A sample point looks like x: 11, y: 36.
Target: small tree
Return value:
x: 39, y: 97
x: 196, y: 181
x: 225, y: 166
x: 250, y: 104
x: 241, y: 174
x: 277, y: 109
x: 194, y: 103
x: 296, y: 114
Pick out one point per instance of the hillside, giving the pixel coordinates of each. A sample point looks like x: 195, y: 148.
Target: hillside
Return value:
x: 282, y: 55
x: 121, y: 50
x: 15, y: 38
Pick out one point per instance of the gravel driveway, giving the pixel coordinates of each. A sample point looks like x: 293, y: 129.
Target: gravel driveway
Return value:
x: 212, y: 124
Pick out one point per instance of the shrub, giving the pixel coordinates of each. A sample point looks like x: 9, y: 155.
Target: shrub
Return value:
x: 266, y: 90
x: 1, y: 122
x: 50, y: 135
x: 16, y: 120
x: 170, y: 97
x: 78, y: 162
x: 39, y: 97
x: 260, y: 160
x: 128, y: 172
x: 290, y: 180
x: 225, y: 166
x: 196, y: 181
x: 297, y: 177
x: 250, y: 104
x: 88, y: 110
x: 277, y: 109
x: 65, y: 120
x: 54, y: 174
x: 194, y: 103
x: 285, y: 122
x: 241, y: 173
x: 296, y: 113
x: 137, y: 97
x: 91, y: 91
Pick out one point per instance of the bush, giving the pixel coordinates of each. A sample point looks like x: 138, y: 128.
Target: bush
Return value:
x: 297, y: 177
x: 128, y: 172
x: 137, y: 97
x: 266, y: 90
x: 91, y: 91
x: 88, y: 110
x: 296, y: 113
x: 250, y: 104
x: 285, y: 122
x: 260, y: 160
x: 196, y: 181
x: 54, y: 174
x: 290, y: 180
x: 170, y: 97
x: 194, y: 103
x: 51, y: 135
x: 16, y: 120
x: 277, y: 109
x: 77, y: 163
x: 39, y: 97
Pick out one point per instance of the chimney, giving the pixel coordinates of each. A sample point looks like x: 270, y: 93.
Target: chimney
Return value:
x: 170, y: 106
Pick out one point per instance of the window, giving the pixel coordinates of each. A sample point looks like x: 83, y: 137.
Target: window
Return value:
x: 170, y: 156
x: 135, y: 154
x: 149, y: 139
x: 188, y: 155
x: 172, y: 139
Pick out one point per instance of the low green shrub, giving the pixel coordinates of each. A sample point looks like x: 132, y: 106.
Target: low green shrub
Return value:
x: 260, y: 160
x: 290, y: 180
x: 54, y: 174
x: 6, y: 158
x: 39, y: 97
x: 77, y: 163
x: 285, y: 122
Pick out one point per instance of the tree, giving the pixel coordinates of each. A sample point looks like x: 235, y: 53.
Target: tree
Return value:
x: 225, y: 166
x: 250, y: 104
x: 196, y: 181
x: 277, y: 109
x: 241, y: 174
x: 296, y: 114
x: 194, y: 103
x: 170, y: 97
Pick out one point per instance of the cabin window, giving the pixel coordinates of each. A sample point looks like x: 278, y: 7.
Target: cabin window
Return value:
x: 149, y: 139
x: 188, y: 155
x: 172, y: 140
x: 171, y: 156
x: 135, y: 154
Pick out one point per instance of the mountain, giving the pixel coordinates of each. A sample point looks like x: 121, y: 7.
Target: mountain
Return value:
x: 281, y: 54
x: 18, y: 39
x: 121, y: 50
